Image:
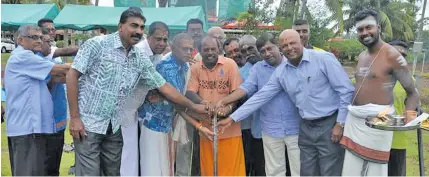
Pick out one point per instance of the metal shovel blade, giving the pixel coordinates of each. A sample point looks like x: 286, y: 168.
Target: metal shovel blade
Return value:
x: 215, y: 145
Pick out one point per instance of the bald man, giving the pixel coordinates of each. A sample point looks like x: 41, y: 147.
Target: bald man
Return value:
x: 321, y: 90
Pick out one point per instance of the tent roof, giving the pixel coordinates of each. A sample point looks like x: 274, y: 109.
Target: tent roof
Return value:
x: 81, y: 17
x: 15, y: 15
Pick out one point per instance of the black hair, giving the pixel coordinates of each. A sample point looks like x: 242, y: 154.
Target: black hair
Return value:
x: 264, y: 39
x: 366, y: 13
x: 43, y: 21
x: 193, y: 21
x: 157, y: 25
x: 399, y: 43
x: 131, y: 12
x: 300, y: 22
x: 229, y: 40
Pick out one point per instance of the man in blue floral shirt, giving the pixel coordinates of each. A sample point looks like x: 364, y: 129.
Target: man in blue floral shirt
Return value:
x: 157, y: 113
x: 103, y: 74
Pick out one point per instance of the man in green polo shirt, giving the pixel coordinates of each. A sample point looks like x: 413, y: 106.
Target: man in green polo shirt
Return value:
x: 397, y: 161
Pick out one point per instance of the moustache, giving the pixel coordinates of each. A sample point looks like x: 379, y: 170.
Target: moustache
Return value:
x: 137, y: 35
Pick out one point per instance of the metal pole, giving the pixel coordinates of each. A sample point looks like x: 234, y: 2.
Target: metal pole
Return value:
x: 423, y: 63
x: 420, y: 146
x: 215, y: 144
x: 419, y: 34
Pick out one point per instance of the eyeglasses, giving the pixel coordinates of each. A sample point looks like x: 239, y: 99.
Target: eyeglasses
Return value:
x: 247, y: 49
x: 34, y: 37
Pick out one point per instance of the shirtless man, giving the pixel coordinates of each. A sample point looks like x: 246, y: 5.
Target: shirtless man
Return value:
x: 378, y: 69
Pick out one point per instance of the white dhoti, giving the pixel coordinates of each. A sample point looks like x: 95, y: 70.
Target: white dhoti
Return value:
x: 367, y: 149
x: 129, y: 129
x: 155, y: 153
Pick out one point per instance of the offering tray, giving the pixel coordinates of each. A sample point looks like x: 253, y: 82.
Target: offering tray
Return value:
x: 390, y: 123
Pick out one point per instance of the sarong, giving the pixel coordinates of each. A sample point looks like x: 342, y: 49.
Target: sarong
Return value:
x: 367, y: 149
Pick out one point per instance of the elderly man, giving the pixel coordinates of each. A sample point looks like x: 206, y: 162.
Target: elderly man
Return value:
x: 279, y: 117
x: 212, y: 79
x: 231, y: 47
x: 152, y: 48
x: 218, y: 33
x: 321, y: 90
x: 378, y: 69
x: 103, y: 74
x: 26, y: 77
x: 157, y: 113
x: 303, y: 28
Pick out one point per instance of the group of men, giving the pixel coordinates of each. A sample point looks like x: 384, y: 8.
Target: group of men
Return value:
x: 135, y: 109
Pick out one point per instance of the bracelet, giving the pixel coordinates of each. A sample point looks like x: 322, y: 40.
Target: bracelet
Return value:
x: 199, y: 126
x: 230, y: 107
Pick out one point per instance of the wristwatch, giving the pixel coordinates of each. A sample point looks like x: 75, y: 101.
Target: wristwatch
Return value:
x: 341, y: 124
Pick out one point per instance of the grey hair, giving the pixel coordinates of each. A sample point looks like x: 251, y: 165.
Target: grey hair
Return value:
x: 23, y: 30
x: 247, y: 40
x: 181, y: 37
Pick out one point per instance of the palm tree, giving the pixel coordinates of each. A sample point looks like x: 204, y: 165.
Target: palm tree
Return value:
x: 390, y: 11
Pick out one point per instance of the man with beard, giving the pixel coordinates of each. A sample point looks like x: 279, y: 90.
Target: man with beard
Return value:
x: 218, y: 33
x: 103, y: 75
x: 213, y: 78
x: 279, y: 117
x: 321, y: 90
x: 232, y: 50
x: 303, y: 28
x: 152, y: 48
x: 378, y: 69
x: 157, y: 113
x: 250, y: 127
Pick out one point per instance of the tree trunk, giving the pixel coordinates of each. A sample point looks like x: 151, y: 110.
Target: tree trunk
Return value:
x: 303, y: 9
x: 96, y: 2
x: 162, y: 3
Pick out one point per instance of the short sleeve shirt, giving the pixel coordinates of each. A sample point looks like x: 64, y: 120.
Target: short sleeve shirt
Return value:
x: 216, y: 83
x: 108, y: 78
x: 29, y: 108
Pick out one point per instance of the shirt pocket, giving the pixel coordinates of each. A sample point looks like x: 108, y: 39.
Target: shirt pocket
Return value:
x: 317, y: 82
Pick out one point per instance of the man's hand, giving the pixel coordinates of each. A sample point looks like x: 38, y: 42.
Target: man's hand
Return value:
x: 200, y: 108
x: 192, y: 61
x: 410, y: 116
x: 224, y: 124
x: 77, y: 129
x: 207, y: 133
x: 220, y: 104
x: 337, y: 133
x: 211, y: 107
x: 224, y: 111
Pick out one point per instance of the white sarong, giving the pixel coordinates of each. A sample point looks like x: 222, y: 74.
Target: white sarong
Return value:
x: 367, y: 149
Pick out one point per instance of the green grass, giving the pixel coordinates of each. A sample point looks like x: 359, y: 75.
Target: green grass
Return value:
x: 66, y: 161
x: 4, y: 57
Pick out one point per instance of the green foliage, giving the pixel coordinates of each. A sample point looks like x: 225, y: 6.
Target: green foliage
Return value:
x: 319, y: 33
x: 255, y: 15
x: 349, y: 49
x: 81, y: 37
x: 60, y: 44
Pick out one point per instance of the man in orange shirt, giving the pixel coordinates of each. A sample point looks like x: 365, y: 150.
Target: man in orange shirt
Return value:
x: 213, y: 78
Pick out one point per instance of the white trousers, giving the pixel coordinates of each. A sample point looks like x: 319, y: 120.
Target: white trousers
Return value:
x: 274, y: 153
x: 154, y: 153
x: 356, y: 166
x: 129, y: 158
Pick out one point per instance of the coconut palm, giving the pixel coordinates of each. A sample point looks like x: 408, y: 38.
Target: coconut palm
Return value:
x: 390, y: 11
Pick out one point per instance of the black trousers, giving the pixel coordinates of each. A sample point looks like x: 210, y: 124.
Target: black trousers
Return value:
x: 253, y: 154
x: 28, y: 154
x: 397, y: 162
x: 54, y: 152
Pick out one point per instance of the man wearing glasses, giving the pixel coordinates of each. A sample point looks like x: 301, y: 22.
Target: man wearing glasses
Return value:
x: 55, y: 141
x: 152, y: 47
x: 157, y: 113
x: 29, y: 108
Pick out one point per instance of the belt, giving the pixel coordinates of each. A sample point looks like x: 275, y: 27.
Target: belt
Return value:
x: 320, y: 119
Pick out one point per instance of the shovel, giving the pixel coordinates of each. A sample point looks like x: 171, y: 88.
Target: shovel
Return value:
x: 215, y: 138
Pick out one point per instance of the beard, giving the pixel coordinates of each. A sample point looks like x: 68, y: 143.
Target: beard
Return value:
x: 370, y: 43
